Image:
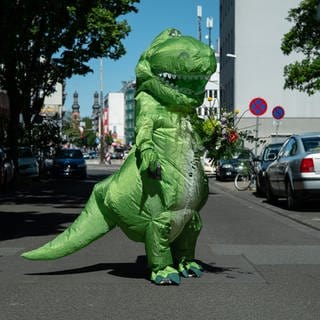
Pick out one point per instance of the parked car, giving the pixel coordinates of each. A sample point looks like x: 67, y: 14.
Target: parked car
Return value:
x: 267, y: 156
x: 295, y: 173
x: 69, y: 163
x: 125, y: 154
x: 208, y: 165
x: 93, y: 155
x: 227, y: 169
x: 86, y: 155
x: 28, y: 165
x: 117, y: 153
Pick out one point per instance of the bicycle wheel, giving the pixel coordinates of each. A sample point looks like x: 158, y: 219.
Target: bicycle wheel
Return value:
x: 242, y: 181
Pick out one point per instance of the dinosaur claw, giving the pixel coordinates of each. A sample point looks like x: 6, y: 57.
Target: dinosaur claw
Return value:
x: 190, y: 269
x: 166, y: 276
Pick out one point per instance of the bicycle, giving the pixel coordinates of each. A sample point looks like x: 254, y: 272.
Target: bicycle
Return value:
x: 246, y: 178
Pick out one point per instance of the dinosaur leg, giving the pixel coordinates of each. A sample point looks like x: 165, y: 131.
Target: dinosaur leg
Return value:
x: 158, y: 251
x: 183, y: 248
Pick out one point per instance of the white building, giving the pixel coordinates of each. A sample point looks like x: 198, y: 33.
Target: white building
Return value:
x: 250, y: 34
x: 53, y: 104
x: 211, y: 102
x: 115, y: 105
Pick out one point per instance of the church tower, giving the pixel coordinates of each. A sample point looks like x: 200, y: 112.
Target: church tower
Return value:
x: 75, y: 108
x: 95, y: 110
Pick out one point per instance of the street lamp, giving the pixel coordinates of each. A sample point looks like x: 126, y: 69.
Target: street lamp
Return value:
x: 199, y: 15
x: 101, y: 135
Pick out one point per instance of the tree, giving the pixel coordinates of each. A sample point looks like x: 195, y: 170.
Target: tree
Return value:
x: 303, y: 37
x: 45, y: 42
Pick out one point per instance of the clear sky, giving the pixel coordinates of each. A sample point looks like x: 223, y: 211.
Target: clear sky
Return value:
x: 153, y: 17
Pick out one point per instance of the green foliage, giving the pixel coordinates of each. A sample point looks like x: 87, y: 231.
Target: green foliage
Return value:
x: 45, y: 42
x: 303, y: 37
x: 41, y: 135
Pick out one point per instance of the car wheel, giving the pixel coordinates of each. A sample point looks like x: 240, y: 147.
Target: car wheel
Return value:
x: 271, y: 198
x: 258, y: 187
x: 292, y: 199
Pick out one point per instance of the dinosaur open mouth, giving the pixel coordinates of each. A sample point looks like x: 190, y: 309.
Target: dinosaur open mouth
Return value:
x: 185, y: 83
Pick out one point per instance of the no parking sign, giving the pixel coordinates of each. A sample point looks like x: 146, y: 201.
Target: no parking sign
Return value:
x: 258, y: 106
x: 278, y: 112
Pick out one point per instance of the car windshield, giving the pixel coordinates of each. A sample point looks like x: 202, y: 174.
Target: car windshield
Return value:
x: 25, y: 153
x: 311, y: 144
x: 69, y: 154
x: 271, y: 152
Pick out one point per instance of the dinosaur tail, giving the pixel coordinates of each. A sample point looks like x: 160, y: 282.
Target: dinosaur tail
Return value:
x: 89, y: 226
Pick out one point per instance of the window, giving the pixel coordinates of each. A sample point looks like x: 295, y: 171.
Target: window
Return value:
x: 290, y: 148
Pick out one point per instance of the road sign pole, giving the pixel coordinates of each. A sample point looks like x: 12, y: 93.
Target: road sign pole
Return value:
x: 258, y: 107
x: 256, y: 137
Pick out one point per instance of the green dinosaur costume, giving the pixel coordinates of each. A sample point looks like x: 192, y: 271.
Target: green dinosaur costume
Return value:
x: 156, y: 195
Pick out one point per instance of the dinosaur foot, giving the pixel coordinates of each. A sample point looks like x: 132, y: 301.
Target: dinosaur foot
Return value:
x: 166, y: 276
x: 190, y: 269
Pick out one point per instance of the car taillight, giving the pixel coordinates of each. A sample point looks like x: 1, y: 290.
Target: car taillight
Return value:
x: 307, y: 165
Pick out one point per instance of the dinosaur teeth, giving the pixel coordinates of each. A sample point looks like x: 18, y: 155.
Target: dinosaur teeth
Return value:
x: 188, y: 77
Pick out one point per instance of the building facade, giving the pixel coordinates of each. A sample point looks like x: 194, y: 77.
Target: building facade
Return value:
x: 252, y: 66
x: 53, y: 104
x: 211, y: 101
x: 115, y: 106
x: 129, y: 89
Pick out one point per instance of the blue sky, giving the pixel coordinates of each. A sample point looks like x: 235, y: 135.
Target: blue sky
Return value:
x: 153, y: 17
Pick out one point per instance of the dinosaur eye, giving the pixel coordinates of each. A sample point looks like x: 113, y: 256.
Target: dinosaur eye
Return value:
x: 175, y: 33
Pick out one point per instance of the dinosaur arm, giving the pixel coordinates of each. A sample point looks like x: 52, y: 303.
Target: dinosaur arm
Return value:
x: 144, y: 142
x: 146, y: 146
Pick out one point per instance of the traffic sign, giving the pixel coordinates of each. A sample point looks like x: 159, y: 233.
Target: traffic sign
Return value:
x: 278, y: 112
x: 258, y: 106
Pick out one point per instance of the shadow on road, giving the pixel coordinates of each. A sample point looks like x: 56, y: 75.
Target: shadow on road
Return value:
x: 137, y: 270
x: 37, y: 208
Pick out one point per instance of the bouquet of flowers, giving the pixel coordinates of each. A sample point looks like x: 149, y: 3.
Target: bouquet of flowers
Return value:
x: 220, y: 136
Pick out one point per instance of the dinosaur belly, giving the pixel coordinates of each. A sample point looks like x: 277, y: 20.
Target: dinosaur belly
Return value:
x: 135, y: 199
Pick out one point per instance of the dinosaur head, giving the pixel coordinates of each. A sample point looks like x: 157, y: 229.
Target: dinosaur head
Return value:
x: 175, y: 70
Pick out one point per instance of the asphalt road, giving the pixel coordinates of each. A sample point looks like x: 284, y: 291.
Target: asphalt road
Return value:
x: 259, y: 262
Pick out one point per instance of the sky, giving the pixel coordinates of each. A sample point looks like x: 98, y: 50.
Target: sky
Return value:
x: 152, y: 18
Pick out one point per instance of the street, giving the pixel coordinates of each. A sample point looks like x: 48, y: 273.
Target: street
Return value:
x: 261, y: 262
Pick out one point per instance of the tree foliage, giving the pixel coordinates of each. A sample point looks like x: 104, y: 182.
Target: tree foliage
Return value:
x: 303, y: 38
x: 45, y: 42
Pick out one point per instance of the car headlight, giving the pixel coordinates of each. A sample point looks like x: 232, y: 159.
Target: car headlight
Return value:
x: 227, y: 166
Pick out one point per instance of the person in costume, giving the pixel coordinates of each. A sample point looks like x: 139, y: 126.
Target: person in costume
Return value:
x: 156, y: 195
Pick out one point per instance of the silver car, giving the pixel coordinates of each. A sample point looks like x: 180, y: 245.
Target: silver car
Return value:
x: 27, y: 163
x: 295, y: 172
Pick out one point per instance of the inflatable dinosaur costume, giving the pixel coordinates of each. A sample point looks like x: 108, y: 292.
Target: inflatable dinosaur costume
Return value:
x: 156, y: 195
